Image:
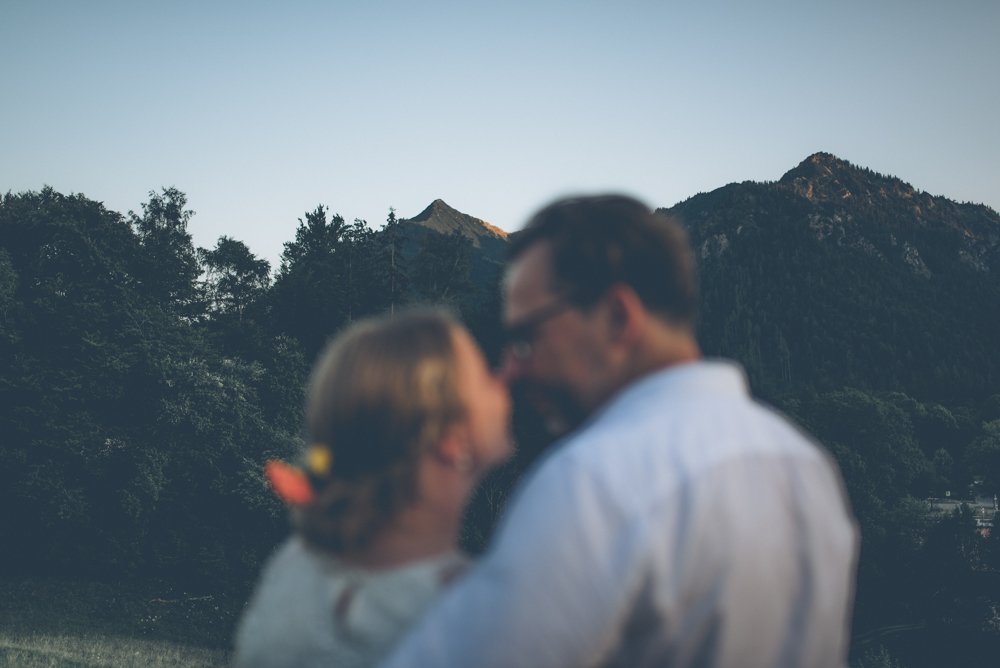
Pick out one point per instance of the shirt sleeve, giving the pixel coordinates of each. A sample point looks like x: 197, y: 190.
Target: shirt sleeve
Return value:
x: 555, y: 590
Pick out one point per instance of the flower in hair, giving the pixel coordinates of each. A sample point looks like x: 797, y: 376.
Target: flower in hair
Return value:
x: 319, y: 460
x: 294, y: 485
x: 289, y: 483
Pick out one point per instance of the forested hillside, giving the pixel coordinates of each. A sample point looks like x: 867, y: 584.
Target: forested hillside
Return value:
x: 144, y: 382
x: 836, y: 275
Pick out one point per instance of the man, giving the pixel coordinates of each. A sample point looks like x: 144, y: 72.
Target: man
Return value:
x: 679, y: 523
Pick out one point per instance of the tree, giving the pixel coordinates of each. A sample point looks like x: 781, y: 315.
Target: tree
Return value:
x: 131, y: 445
x: 308, y: 299
x: 395, y: 270
x: 878, y: 658
x: 880, y: 433
x: 234, y: 277
x: 8, y: 290
x: 362, y: 276
x: 72, y: 386
x: 441, y: 268
x: 983, y: 456
x: 169, y: 271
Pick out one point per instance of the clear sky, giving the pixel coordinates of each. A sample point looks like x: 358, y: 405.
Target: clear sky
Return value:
x: 259, y: 111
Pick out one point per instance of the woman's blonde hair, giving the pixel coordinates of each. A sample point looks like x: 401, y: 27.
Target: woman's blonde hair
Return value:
x: 383, y: 393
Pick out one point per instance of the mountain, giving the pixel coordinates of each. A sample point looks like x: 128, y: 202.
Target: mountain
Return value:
x: 836, y: 275
x: 487, y: 243
x: 832, y: 276
x: 441, y: 218
x: 843, y: 188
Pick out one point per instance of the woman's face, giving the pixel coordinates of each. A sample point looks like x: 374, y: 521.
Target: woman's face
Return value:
x: 487, y: 405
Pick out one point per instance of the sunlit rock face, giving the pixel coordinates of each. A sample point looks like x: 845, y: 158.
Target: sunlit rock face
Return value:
x: 441, y: 218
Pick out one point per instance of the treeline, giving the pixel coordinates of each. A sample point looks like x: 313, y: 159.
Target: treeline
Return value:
x: 916, y: 568
x: 143, y: 381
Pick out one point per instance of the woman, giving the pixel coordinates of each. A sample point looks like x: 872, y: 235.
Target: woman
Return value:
x: 404, y: 417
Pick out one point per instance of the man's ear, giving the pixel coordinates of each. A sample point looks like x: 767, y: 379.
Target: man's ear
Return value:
x: 626, y: 313
x: 453, y: 449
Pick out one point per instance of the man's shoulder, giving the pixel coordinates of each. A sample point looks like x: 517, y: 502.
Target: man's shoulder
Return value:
x: 670, y: 437
x: 665, y: 434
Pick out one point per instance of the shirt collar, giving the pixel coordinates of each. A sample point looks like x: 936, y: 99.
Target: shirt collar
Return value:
x: 712, y: 377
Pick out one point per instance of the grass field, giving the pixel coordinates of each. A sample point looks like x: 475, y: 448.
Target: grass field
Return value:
x: 51, y: 622
x: 29, y: 651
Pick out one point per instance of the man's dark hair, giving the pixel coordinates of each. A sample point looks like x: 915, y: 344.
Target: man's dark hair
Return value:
x: 599, y: 241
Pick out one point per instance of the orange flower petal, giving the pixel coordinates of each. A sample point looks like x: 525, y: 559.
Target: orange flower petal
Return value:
x: 289, y: 483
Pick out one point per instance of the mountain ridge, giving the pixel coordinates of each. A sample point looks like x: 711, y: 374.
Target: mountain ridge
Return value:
x: 854, y: 206
x: 835, y: 271
x: 832, y: 276
x: 440, y: 217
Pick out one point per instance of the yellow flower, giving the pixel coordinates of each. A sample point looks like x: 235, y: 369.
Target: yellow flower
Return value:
x: 319, y: 459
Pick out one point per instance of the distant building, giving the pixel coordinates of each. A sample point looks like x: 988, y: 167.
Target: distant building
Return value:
x: 983, y: 509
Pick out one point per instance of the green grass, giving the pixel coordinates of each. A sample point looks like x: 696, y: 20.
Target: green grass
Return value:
x: 53, y: 622
x: 65, y: 651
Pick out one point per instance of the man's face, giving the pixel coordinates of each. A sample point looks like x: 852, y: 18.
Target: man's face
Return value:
x: 557, y: 360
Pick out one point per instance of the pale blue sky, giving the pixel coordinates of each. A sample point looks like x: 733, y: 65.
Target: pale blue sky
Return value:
x: 259, y: 111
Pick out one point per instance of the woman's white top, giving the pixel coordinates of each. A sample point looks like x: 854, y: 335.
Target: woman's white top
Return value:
x: 311, y: 609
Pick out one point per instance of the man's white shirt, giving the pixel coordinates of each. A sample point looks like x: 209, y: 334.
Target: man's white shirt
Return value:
x: 683, y: 525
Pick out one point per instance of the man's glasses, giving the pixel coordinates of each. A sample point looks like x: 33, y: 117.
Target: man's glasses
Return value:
x: 520, y: 338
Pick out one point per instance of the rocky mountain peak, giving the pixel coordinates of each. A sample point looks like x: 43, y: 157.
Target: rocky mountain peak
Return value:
x: 823, y: 177
x: 440, y: 217
x: 436, y: 208
x: 819, y: 163
x: 853, y: 208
